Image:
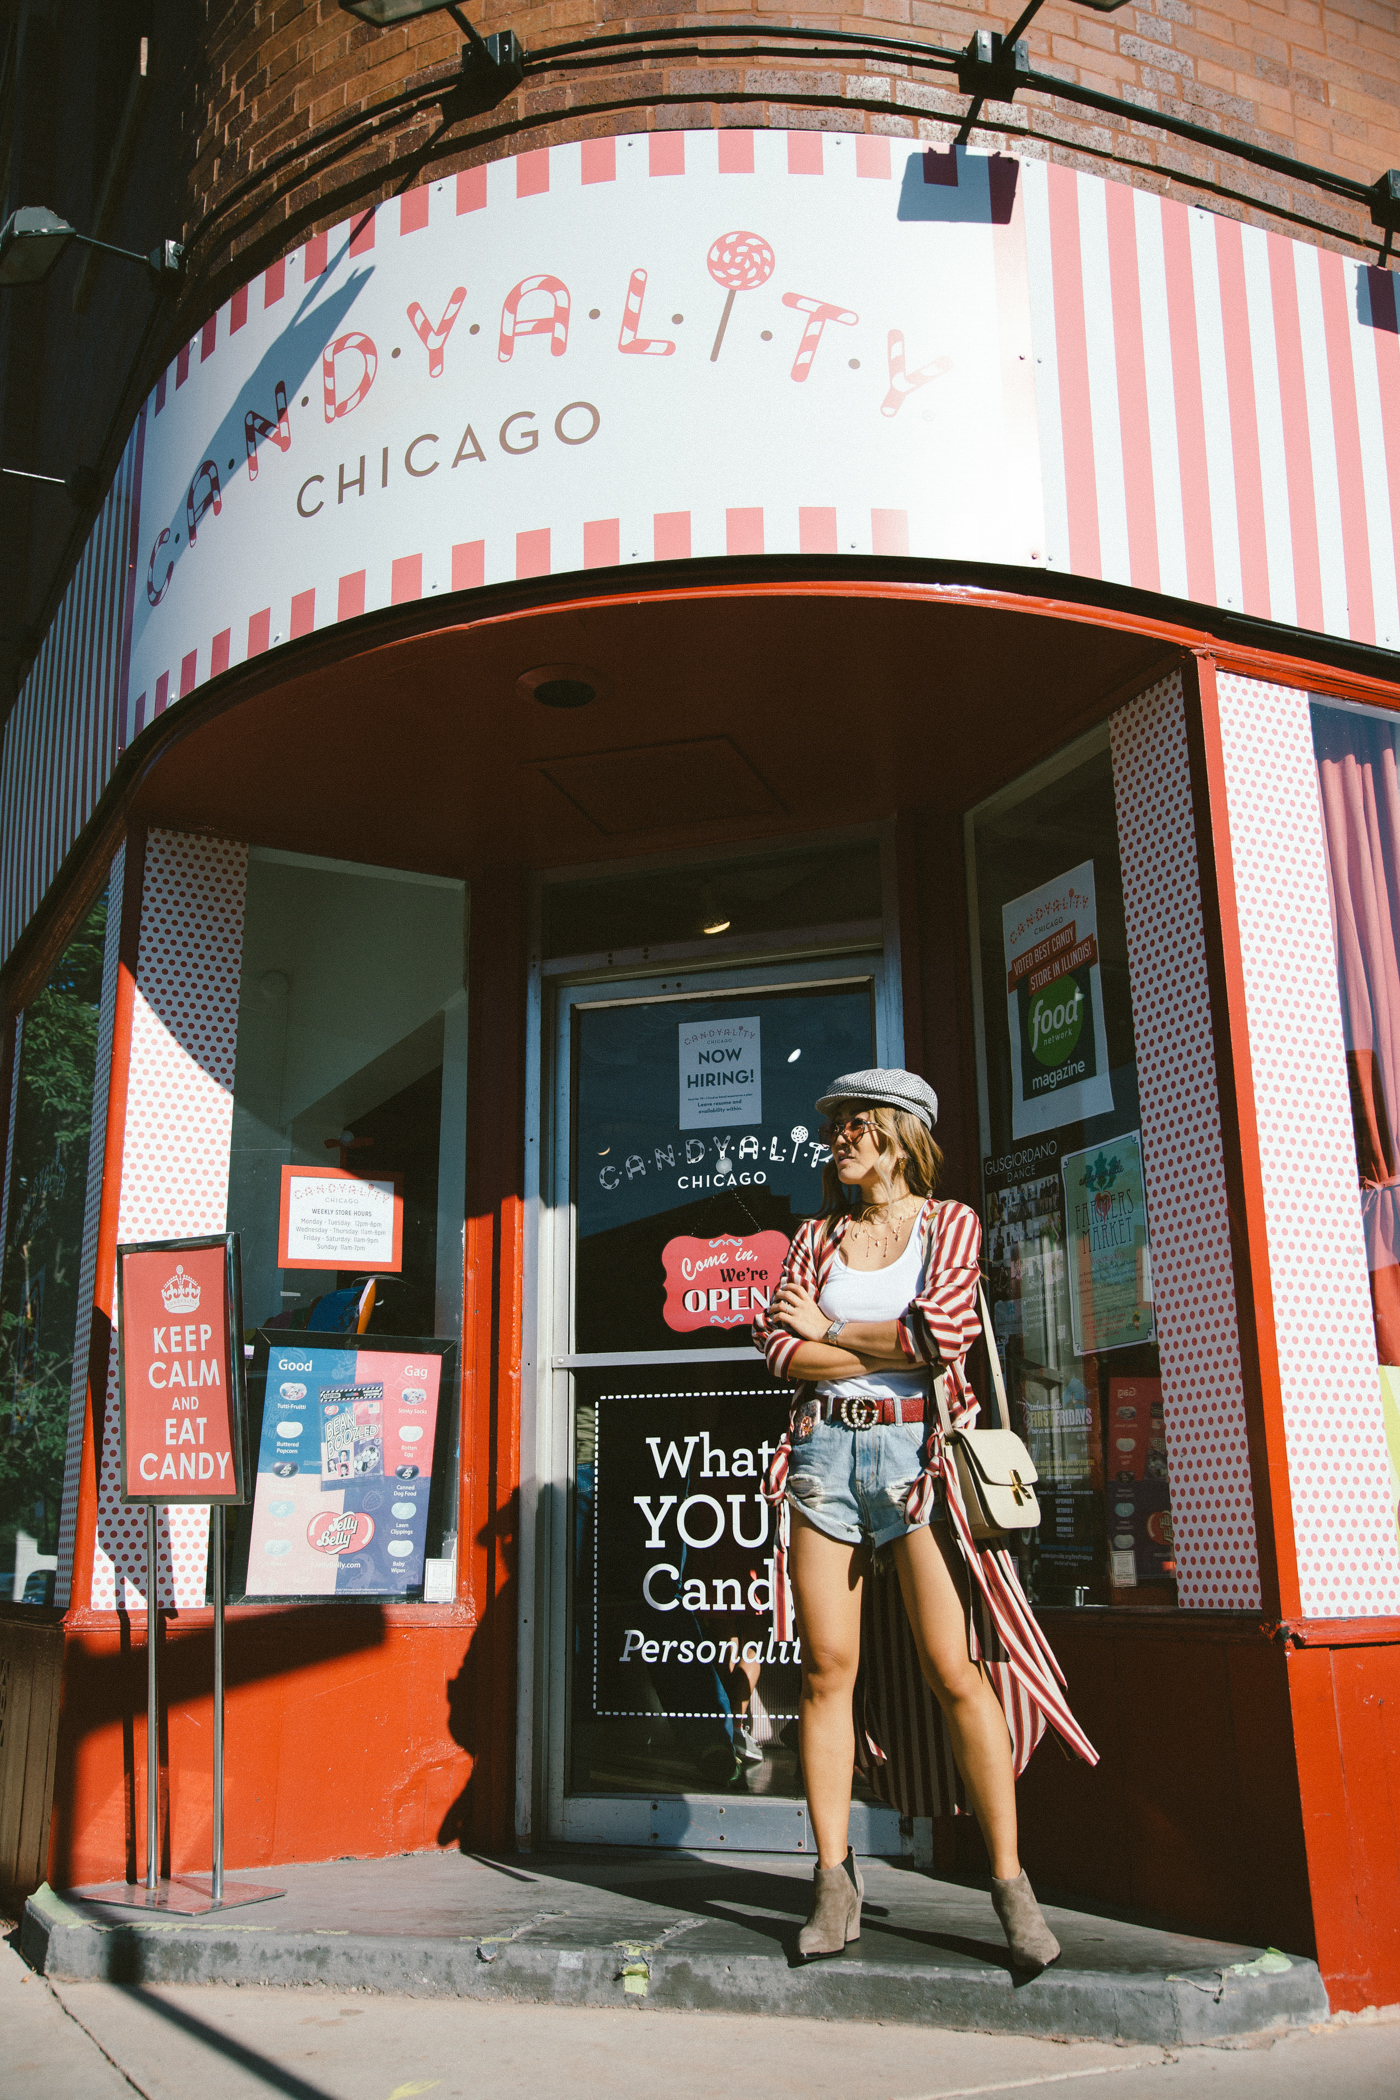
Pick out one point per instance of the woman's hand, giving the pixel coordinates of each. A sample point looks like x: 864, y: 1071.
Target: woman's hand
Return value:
x: 799, y: 1312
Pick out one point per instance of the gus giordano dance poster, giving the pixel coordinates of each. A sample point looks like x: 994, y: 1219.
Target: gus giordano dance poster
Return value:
x: 1054, y: 1005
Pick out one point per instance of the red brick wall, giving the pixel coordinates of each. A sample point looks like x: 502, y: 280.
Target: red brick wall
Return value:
x: 1319, y: 82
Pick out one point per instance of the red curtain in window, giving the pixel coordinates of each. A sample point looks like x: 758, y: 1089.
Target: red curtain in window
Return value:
x: 1360, y: 790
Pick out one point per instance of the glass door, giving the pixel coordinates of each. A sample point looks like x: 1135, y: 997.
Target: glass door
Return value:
x: 685, y: 1156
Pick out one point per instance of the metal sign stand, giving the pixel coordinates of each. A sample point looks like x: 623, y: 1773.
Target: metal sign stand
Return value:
x: 188, y: 1895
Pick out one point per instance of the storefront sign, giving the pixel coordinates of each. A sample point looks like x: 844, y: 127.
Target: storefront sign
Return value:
x: 722, y: 1282
x: 332, y: 1219
x: 1110, y: 1266
x: 1054, y: 1001
x: 721, y: 1072
x: 345, y: 1462
x: 683, y: 1559
x: 181, y: 1369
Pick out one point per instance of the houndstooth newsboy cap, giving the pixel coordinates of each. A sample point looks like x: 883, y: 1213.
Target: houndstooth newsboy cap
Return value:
x: 896, y: 1089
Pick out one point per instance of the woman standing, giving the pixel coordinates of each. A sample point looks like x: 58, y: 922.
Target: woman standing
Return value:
x: 878, y: 1296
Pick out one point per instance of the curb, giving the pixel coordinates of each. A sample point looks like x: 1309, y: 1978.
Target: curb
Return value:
x: 1177, y: 2010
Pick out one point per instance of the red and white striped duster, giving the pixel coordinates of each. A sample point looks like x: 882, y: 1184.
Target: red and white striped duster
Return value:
x: 906, y: 1754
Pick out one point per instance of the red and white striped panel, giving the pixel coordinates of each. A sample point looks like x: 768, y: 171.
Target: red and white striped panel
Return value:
x: 1348, y: 1563
x: 179, y: 1115
x: 1203, y: 1410
x: 1219, y: 407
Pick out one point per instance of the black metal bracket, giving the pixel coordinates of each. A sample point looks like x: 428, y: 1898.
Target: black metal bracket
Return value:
x: 1385, y: 207
x: 492, y: 66
x: 990, y: 70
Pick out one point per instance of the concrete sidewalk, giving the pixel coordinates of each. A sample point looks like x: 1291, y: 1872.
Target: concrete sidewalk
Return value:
x: 102, y: 2041
x: 679, y: 1931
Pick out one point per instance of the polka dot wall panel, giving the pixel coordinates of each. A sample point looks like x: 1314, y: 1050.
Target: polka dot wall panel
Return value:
x: 179, y: 1110
x: 1348, y: 1564
x: 1192, y: 1276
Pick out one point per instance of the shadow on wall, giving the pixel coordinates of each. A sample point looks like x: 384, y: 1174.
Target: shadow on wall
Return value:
x: 105, y: 1687
x: 481, y: 1697
x: 950, y: 185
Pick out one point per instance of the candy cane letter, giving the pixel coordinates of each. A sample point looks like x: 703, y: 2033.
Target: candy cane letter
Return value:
x: 629, y: 341
x: 902, y: 383
x: 554, y: 324
x: 256, y: 426
x: 818, y: 313
x: 364, y: 348
x: 209, y: 497
x: 433, y: 338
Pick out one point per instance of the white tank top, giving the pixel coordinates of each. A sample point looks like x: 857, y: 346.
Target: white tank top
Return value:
x: 874, y: 1294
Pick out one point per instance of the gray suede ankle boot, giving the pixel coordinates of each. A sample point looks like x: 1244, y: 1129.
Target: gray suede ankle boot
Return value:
x: 1033, y: 1945
x: 835, y: 1914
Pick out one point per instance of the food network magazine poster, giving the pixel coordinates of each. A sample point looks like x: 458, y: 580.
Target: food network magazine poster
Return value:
x: 345, y: 1466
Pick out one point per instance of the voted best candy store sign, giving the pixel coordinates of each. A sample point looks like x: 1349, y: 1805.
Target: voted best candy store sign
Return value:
x: 635, y: 349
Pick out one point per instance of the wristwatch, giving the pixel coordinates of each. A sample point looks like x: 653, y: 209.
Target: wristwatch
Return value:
x: 833, y: 1330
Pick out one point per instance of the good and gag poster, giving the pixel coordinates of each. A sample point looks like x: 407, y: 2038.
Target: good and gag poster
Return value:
x: 345, y: 1463
x: 1054, y: 1005
x: 1110, y: 1265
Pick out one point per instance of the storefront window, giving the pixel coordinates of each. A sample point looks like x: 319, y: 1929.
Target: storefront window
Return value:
x: 41, y: 1255
x: 1064, y: 1208
x: 1359, y: 793
x: 347, y: 1187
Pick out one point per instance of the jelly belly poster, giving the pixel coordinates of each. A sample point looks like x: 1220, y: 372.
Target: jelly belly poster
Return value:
x: 345, y: 1462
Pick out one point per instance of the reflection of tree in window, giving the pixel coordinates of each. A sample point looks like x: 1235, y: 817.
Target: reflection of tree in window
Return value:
x: 43, y: 1244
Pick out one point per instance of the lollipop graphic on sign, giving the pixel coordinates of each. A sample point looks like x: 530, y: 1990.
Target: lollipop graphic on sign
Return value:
x: 740, y: 262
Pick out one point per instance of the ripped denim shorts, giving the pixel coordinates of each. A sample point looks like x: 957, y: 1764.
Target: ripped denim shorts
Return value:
x: 853, y: 1483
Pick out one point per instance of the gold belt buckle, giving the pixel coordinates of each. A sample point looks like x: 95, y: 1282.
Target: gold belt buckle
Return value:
x: 858, y: 1411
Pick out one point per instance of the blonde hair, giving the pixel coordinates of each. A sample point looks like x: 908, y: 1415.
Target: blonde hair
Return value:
x: 910, y: 1141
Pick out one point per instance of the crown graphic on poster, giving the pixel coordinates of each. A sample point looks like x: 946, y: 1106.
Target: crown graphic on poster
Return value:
x: 181, y: 1293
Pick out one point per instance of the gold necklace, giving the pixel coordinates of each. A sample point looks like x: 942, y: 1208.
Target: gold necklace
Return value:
x: 878, y: 1226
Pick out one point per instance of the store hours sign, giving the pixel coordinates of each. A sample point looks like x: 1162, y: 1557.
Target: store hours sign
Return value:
x: 635, y: 349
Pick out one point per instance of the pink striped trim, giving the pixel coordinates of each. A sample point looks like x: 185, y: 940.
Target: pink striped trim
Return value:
x: 471, y: 190
x: 189, y: 666
x: 598, y: 160
x: 602, y: 543
x: 532, y: 173
x: 162, y: 378
x: 406, y: 579
x: 1190, y: 403
x: 1244, y: 418
x: 743, y: 531
x: 816, y: 530
x: 532, y: 553
x: 736, y: 153
x: 1130, y: 357
x: 238, y: 310
x: 889, y: 531
x: 1346, y: 431
x: 274, y: 282
x: 260, y: 631
x: 162, y: 693
x: 941, y: 166
x: 350, y: 597
x: 209, y: 336
x: 315, y: 253
x: 362, y: 237
x: 666, y: 153
x: 1302, y: 502
x: 1072, y: 353
x: 413, y: 209
x: 303, y: 614
x: 182, y: 366
x: 469, y: 565
x: 804, y: 153
x: 873, y: 158
x: 219, y: 652
x: 671, y: 535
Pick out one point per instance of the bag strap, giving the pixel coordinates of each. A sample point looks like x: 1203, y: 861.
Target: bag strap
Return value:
x: 993, y: 1357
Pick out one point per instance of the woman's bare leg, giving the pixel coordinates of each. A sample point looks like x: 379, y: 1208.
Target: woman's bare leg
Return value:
x: 976, y: 1725
x: 826, y: 1590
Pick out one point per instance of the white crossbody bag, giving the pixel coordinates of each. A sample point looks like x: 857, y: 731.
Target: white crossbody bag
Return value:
x: 995, y: 1471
